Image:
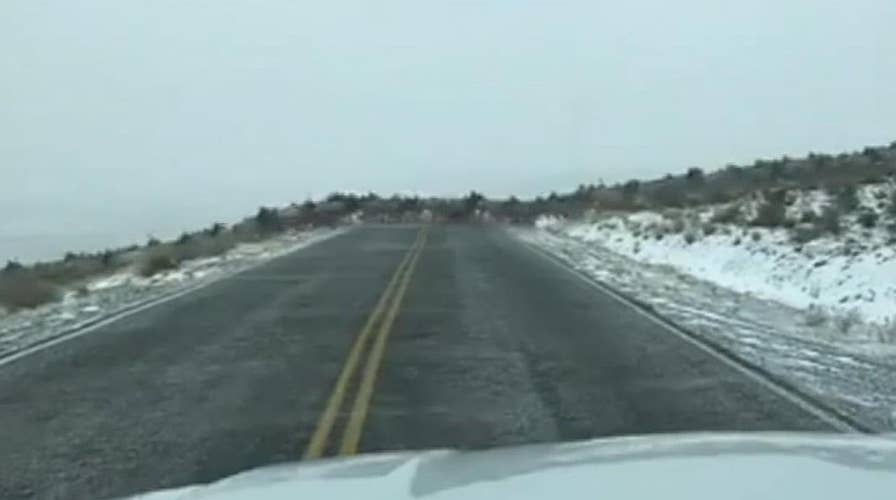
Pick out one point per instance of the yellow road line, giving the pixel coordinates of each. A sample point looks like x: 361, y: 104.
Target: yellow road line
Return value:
x: 318, y: 443
x: 352, y: 436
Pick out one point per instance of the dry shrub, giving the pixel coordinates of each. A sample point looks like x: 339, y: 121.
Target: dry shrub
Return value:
x: 887, y: 331
x: 845, y: 322
x: 773, y: 212
x: 808, y: 216
x: 24, y: 290
x: 728, y: 215
x: 847, y: 198
x: 203, y: 246
x: 829, y: 220
x: 70, y: 270
x: 804, y: 233
x: 892, y: 207
x: 678, y: 224
x: 868, y: 219
x: 155, y: 262
x: 816, y: 316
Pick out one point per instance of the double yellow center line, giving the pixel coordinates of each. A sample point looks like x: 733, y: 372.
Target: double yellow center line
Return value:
x: 380, y: 321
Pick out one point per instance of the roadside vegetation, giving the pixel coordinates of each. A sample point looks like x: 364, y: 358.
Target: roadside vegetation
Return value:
x: 772, y: 180
x: 29, y: 286
x: 816, y: 233
x: 23, y: 287
x: 769, y: 194
x: 816, y: 196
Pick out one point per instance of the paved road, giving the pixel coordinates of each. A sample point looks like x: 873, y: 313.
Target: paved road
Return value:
x: 488, y: 344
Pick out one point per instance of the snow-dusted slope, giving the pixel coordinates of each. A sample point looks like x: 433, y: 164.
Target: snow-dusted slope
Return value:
x: 850, y: 277
x: 126, y: 290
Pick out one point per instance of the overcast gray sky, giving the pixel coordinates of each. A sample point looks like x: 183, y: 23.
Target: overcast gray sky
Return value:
x: 120, y: 118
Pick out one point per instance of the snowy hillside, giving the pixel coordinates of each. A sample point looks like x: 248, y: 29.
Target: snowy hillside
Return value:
x: 844, y: 279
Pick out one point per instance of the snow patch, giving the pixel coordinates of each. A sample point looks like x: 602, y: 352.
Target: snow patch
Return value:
x: 852, y: 274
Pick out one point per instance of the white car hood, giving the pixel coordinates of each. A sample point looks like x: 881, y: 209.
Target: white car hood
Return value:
x: 685, y: 466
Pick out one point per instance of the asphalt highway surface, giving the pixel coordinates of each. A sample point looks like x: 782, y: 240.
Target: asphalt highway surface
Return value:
x: 383, y: 338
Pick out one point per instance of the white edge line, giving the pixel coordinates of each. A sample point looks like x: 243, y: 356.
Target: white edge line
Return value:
x: 765, y: 381
x: 142, y: 306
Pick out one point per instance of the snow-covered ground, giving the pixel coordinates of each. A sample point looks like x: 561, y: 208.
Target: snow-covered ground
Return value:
x: 113, y: 294
x: 821, y: 316
x: 851, y: 276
